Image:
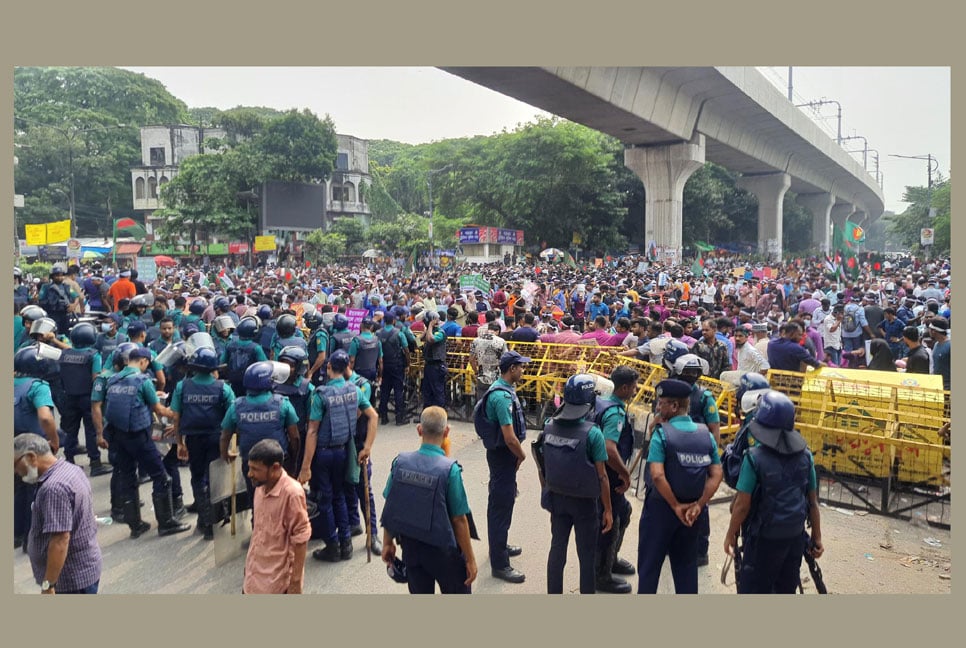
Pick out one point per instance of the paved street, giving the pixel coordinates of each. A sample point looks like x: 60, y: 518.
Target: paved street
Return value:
x: 184, y: 564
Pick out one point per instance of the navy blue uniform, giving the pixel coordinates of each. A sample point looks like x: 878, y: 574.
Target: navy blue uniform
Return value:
x: 77, y: 369
x: 393, y: 373
x: 435, y: 371
x: 358, y: 494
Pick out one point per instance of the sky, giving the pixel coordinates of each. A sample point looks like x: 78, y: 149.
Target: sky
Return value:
x: 899, y: 110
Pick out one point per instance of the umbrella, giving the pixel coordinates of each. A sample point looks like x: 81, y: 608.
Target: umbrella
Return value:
x: 549, y: 252
x: 162, y: 260
x: 371, y: 253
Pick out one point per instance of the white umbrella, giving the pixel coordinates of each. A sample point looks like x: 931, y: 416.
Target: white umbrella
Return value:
x: 371, y: 253
x: 552, y: 252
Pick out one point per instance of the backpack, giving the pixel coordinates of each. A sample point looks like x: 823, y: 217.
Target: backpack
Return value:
x: 849, y: 322
x: 733, y: 456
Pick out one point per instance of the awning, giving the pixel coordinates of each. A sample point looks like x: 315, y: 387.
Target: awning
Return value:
x: 127, y: 248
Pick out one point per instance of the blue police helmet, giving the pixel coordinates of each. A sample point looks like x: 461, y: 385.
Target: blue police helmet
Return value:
x: 83, y: 335
x: 32, y: 313
x: 776, y: 411
x: 286, y: 326
x: 221, y: 303
x: 750, y: 382
x: 247, y: 328
x: 674, y: 350
x: 295, y: 355
x: 340, y: 322
x: 28, y: 363
x: 188, y: 329
x: 198, y: 306
x: 579, y: 397
x: 264, y: 312
x: 204, y: 359
x: 339, y: 361
x: 43, y: 326
x: 397, y: 571
x: 312, y: 320
x: 122, y: 353
x: 258, y: 377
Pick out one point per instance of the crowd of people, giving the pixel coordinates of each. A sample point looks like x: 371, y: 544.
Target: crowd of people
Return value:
x: 201, y: 363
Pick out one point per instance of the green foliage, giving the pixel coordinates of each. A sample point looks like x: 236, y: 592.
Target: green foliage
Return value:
x: 715, y: 210
x: 401, y: 234
x: 903, y: 228
x: 353, y: 234
x: 324, y: 247
x: 37, y: 269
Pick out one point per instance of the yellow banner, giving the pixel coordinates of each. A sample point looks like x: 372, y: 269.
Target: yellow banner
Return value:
x: 265, y: 243
x: 35, y: 234
x: 58, y: 232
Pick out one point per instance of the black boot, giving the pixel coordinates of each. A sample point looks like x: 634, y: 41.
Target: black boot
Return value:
x: 164, y: 512
x: 204, y: 514
x: 331, y: 553
x: 179, y: 510
x: 98, y: 468
x: 193, y: 507
x: 606, y: 581
x: 132, y: 517
x: 621, y: 566
x: 345, y: 549
x: 117, y: 515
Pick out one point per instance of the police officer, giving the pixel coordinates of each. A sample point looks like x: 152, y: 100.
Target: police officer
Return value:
x: 434, y: 358
x: 33, y: 412
x: 318, y: 345
x: 610, y: 414
x: 166, y: 335
x: 683, y: 472
x: 110, y: 336
x: 286, y: 334
x: 224, y: 328
x: 267, y: 328
x: 196, y: 309
x: 332, y: 422
x: 98, y: 393
x: 200, y: 403
x: 130, y: 399
x: 365, y: 353
x: 573, y: 478
x: 44, y: 331
x: 341, y: 336
x: 498, y: 419
x: 298, y: 390
x: 78, y: 368
x: 28, y: 315
x: 242, y: 353
x: 222, y: 306
x: 260, y: 414
x: 702, y: 410
x: 441, y: 551
x: 777, y: 493
x: 56, y: 296
x: 355, y: 496
x: 395, y: 362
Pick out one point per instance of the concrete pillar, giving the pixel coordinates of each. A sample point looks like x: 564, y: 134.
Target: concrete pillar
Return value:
x: 664, y: 170
x: 770, y: 191
x: 840, y: 213
x: 820, y: 206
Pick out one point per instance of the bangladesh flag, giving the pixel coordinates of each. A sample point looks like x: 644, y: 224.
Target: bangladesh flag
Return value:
x: 853, y: 232
x: 697, y: 268
x: 129, y: 227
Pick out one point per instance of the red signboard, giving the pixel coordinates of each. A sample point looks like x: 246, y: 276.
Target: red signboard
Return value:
x: 238, y: 248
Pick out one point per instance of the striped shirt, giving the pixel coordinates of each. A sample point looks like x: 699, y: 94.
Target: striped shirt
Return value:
x: 64, y: 503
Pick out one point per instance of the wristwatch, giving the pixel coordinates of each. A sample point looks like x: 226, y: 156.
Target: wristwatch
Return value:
x: 47, y: 585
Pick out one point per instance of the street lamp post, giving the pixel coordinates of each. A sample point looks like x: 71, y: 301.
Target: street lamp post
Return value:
x: 929, y: 168
x: 70, y: 136
x: 429, y: 182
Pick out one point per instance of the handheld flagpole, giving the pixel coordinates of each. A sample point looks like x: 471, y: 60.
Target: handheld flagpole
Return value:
x: 114, y: 247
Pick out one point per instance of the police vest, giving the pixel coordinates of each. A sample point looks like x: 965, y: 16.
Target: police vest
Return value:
x: 106, y: 345
x: 362, y: 422
x: 687, y: 456
x: 76, y: 371
x: 367, y: 354
x: 435, y: 351
x: 257, y: 421
x: 625, y: 442
x: 392, y: 351
x: 240, y: 355
x: 781, y: 498
x: 56, y: 298
x: 340, y: 340
x: 416, y: 504
x: 696, y: 408
x: 490, y: 431
x: 318, y: 344
x: 125, y: 410
x: 339, y: 420
x: 298, y: 396
x: 295, y: 341
x: 566, y: 468
x: 25, y: 417
x: 202, y: 407
x: 265, y: 339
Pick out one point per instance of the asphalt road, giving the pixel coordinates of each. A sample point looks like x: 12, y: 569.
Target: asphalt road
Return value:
x: 184, y: 563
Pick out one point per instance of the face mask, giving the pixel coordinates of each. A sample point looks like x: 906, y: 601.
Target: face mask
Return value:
x: 106, y: 328
x: 32, y: 475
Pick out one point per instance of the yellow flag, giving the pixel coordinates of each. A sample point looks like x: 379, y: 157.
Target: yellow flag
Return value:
x: 35, y: 234
x: 58, y: 232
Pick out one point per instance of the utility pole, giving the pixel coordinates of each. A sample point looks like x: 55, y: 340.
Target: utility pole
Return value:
x: 790, y: 83
x: 814, y: 105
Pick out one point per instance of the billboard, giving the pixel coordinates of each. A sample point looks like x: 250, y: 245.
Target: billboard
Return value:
x: 292, y: 206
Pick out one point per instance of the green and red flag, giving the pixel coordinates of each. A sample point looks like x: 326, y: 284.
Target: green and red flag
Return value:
x: 697, y: 268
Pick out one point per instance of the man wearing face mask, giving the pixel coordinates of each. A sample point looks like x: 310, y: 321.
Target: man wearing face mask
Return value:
x: 62, y: 544
x: 57, y: 297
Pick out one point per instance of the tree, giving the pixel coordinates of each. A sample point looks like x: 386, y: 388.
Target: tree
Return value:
x: 83, y: 122
x: 905, y: 228
x: 353, y: 233
x: 324, y: 247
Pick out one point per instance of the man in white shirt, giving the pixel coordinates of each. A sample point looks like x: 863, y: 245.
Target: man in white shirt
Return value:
x: 832, y: 334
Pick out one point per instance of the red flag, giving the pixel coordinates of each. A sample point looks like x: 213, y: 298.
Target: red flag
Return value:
x: 126, y: 222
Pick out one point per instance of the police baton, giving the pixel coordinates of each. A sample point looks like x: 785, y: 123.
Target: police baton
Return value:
x: 365, y: 496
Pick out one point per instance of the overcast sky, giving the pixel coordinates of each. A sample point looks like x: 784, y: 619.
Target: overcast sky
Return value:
x: 899, y: 110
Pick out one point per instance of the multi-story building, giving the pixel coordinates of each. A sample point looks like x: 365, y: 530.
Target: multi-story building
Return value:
x: 164, y: 148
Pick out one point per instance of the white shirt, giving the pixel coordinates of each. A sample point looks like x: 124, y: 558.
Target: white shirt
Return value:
x: 751, y: 359
x: 831, y: 339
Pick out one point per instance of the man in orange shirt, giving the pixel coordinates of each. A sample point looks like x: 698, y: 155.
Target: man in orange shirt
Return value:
x: 122, y: 288
x: 276, y: 555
